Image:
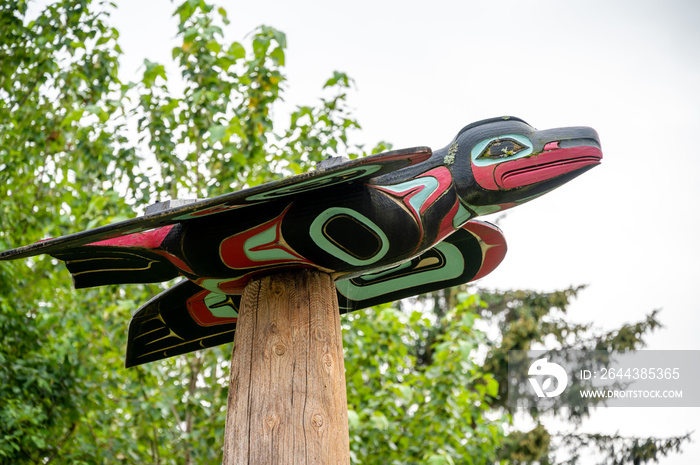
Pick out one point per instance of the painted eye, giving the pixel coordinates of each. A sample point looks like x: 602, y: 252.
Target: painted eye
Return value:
x: 501, y: 148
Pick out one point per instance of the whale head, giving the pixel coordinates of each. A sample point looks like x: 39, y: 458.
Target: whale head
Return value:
x: 502, y: 162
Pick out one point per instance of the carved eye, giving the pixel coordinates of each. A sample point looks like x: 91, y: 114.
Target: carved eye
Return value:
x: 501, y: 148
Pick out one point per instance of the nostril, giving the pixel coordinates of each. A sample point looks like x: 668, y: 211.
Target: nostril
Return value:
x: 551, y: 146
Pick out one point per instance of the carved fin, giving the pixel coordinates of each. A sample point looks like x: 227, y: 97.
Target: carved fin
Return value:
x: 93, y: 265
x: 468, y: 254
x: 182, y: 319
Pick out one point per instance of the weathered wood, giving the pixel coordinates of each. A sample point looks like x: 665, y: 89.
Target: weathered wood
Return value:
x: 287, y: 399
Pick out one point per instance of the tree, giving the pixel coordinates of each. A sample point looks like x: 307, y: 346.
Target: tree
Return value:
x: 70, y: 160
x: 429, y: 387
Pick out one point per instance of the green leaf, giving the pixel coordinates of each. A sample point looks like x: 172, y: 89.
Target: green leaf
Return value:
x: 190, y: 33
x: 224, y: 62
x: 224, y: 15
x: 338, y: 78
x: 277, y: 56
x: 152, y: 72
x: 185, y: 11
x: 94, y: 109
x: 39, y: 442
x: 492, y: 387
x: 379, y: 421
x: 214, y: 46
x: 439, y: 460
x: 353, y: 419
x: 217, y: 132
x: 73, y: 115
x: 237, y: 51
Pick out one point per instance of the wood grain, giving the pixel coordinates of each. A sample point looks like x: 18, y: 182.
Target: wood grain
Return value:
x: 287, y: 399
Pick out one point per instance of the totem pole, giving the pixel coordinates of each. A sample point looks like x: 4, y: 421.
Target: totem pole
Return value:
x: 369, y: 231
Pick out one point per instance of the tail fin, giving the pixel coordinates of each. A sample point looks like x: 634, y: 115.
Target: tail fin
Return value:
x: 182, y: 319
x: 98, y: 265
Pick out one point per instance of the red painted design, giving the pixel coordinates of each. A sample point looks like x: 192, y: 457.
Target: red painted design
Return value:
x: 444, y: 178
x: 447, y: 224
x: 232, y: 286
x: 200, y: 312
x: 236, y: 286
x: 232, y: 249
x: 150, y: 240
x: 147, y: 240
x: 546, y: 165
x: 493, y: 246
x: 550, y: 163
x: 177, y: 261
x: 484, y: 176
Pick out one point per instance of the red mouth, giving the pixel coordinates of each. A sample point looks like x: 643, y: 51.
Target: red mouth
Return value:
x: 546, y: 165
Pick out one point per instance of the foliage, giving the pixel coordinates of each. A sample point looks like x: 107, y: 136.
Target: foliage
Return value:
x: 68, y: 162
x: 620, y: 450
x: 402, y: 411
x: 57, y: 149
x: 528, y: 320
x: 424, y: 384
x: 472, y: 377
x: 219, y: 135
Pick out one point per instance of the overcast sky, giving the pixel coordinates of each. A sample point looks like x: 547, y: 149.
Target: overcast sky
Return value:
x: 629, y: 69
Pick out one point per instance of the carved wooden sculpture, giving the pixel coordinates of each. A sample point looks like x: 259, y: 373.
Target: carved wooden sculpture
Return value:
x: 384, y: 227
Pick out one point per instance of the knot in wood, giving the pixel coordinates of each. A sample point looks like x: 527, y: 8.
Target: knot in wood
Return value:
x: 280, y: 349
x: 319, y: 334
x: 317, y: 420
x: 272, y: 420
x: 328, y: 360
x: 277, y: 287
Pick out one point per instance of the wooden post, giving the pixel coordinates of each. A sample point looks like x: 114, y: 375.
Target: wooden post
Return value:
x: 287, y: 401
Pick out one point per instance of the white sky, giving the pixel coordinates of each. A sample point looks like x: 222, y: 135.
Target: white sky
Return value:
x: 629, y: 69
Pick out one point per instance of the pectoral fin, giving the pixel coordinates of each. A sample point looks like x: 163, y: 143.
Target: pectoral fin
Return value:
x: 182, y: 319
x: 468, y: 254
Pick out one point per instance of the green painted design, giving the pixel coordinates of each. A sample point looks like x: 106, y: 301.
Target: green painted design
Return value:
x: 481, y: 146
x: 387, y: 271
x: 454, y: 267
x: 220, y: 308
x: 212, y: 284
x: 485, y: 210
x: 316, y: 231
x: 482, y: 210
x: 271, y: 252
x: 428, y: 183
x: 461, y: 217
